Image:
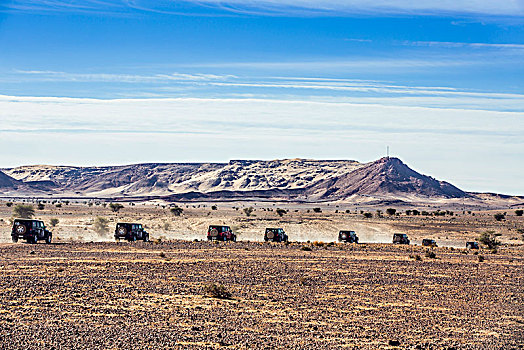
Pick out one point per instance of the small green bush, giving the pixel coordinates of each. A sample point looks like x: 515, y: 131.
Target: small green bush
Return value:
x: 217, y: 291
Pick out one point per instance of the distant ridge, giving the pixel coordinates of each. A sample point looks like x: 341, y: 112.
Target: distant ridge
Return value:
x: 386, y: 180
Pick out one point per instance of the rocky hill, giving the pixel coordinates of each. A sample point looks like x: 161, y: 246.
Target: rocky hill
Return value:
x: 383, y: 180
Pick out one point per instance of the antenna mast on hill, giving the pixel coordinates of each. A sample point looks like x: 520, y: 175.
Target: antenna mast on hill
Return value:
x: 387, y: 152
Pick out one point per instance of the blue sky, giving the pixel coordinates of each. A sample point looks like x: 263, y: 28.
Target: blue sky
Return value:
x: 441, y: 84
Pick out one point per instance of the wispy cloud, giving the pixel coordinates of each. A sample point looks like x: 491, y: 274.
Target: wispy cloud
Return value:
x: 280, y: 7
x: 465, y: 44
x: 129, y: 78
x: 281, y: 88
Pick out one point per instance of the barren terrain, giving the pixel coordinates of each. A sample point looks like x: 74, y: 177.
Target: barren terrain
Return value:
x: 153, y: 295
x: 88, y: 292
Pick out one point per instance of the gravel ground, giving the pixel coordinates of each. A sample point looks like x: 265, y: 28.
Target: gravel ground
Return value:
x: 153, y: 296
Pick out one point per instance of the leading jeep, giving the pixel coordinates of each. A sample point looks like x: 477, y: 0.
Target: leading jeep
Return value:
x: 130, y: 232
x: 30, y: 230
x: 347, y: 236
x: 275, y: 235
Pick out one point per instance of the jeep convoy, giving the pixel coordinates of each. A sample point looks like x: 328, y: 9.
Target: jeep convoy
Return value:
x: 347, y: 236
x: 34, y: 230
x: 30, y: 230
x: 130, y: 232
x: 275, y: 235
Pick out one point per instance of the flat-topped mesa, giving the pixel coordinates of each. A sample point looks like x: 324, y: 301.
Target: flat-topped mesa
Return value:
x: 302, y: 179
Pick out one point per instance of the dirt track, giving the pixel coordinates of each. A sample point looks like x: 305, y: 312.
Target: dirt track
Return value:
x: 147, y: 295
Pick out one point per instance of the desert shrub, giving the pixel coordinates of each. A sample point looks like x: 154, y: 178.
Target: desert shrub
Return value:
x: 214, y: 207
x: 348, y: 211
x: 306, y: 248
x: 166, y: 226
x: 318, y: 243
x: 499, y: 216
x: 100, y: 226
x: 176, y: 210
x: 489, y: 239
x: 162, y: 255
x: 217, y: 291
x: 415, y: 257
x: 9, y: 204
x: 519, y: 212
x: 281, y: 212
x: 58, y: 205
x: 415, y: 212
x: 391, y: 211
x: 317, y: 210
x: 115, y: 207
x: 54, y: 221
x: 303, y: 281
x: 431, y: 254
x: 24, y: 211
x: 481, y: 258
x: 40, y: 206
x: 424, y: 213
x: 249, y: 211
x: 368, y: 215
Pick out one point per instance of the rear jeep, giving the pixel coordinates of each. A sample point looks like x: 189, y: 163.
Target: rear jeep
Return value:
x: 347, y: 236
x: 220, y: 233
x: 275, y: 235
x: 130, y: 232
x: 30, y: 230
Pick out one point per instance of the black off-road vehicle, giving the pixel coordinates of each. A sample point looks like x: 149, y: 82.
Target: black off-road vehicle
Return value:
x: 221, y: 233
x: 472, y: 245
x: 347, y: 236
x: 130, y: 232
x: 426, y: 242
x: 400, y: 238
x: 30, y: 230
x: 275, y: 235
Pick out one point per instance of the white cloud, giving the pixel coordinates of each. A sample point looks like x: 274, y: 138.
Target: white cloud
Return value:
x: 454, y: 144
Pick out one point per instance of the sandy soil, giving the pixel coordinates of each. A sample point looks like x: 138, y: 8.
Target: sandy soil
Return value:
x: 300, y: 222
x: 153, y: 295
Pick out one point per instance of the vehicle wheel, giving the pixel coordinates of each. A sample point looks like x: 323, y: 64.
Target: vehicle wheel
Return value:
x: 132, y: 238
x: 48, y: 239
x: 35, y: 239
x: 146, y: 238
x: 209, y: 238
x: 234, y: 239
x: 14, y: 238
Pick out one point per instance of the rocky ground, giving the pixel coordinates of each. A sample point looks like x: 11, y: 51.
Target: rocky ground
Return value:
x: 154, y: 295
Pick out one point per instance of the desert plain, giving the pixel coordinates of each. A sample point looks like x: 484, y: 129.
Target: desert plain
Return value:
x: 87, y: 291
